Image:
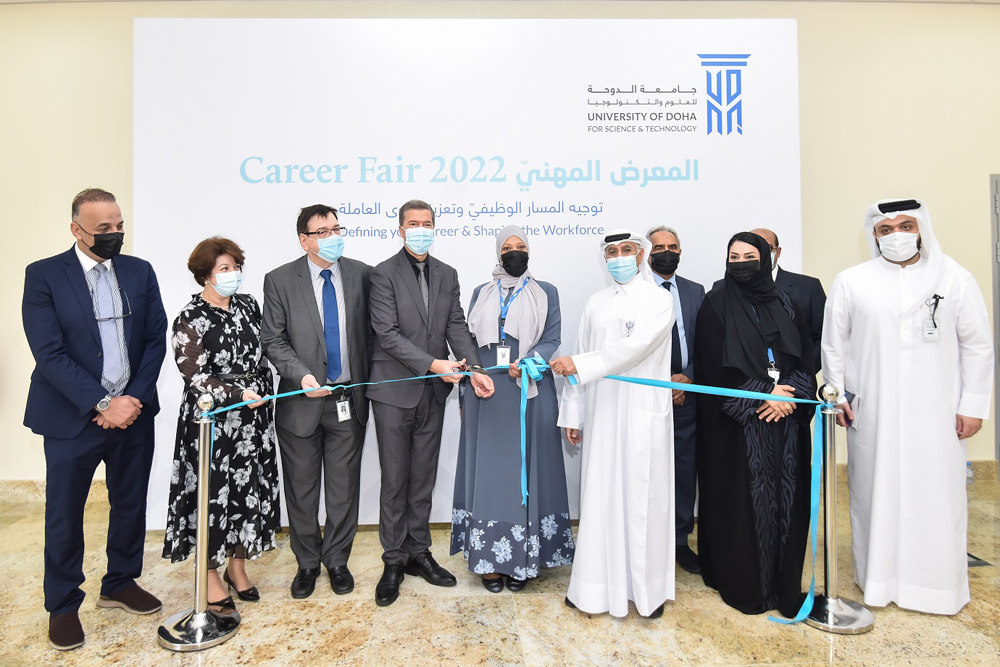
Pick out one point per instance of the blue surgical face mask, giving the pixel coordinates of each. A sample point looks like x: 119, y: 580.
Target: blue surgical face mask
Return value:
x: 331, y: 248
x: 419, y: 239
x: 227, y: 284
x: 623, y: 269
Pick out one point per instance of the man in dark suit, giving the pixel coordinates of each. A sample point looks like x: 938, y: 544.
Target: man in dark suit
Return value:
x: 805, y: 291
x: 317, y: 333
x: 96, y: 328
x: 688, y: 295
x: 416, y: 314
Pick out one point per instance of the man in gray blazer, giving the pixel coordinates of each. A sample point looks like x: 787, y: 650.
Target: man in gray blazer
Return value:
x: 317, y: 332
x: 688, y: 296
x: 416, y: 314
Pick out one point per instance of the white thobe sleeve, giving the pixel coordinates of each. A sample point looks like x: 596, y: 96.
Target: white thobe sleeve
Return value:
x: 836, y: 336
x: 628, y: 352
x: 975, y: 351
x: 573, y: 403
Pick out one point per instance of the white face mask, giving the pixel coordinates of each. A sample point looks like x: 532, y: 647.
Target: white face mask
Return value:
x: 898, y: 246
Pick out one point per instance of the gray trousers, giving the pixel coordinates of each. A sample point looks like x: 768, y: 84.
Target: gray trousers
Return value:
x: 409, y: 441
x: 331, y: 453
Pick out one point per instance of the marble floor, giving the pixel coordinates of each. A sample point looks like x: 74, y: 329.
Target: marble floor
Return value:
x: 467, y: 625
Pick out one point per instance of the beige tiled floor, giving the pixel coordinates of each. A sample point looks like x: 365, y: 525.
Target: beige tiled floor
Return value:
x: 467, y: 625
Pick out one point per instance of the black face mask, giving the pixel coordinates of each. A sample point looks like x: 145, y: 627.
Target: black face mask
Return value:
x: 743, y: 271
x: 107, y: 246
x: 514, y: 262
x: 665, y: 263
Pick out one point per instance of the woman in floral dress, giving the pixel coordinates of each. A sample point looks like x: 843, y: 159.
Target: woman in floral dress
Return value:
x: 216, y: 343
x: 498, y: 535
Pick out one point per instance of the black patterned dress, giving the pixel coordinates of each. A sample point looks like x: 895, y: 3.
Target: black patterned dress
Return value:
x: 218, y: 352
x: 753, y: 476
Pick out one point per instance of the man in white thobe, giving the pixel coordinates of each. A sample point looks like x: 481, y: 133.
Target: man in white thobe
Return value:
x: 907, y: 336
x: 625, y: 548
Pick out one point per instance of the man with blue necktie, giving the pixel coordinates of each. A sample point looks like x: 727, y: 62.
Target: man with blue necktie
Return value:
x: 96, y: 328
x: 687, y: 296
x: 317, y: 333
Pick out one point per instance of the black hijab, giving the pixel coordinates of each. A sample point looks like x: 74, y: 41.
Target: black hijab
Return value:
x: 754, y: 317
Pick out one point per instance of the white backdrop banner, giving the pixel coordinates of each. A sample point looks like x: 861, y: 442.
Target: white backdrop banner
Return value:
x: 565, y: 127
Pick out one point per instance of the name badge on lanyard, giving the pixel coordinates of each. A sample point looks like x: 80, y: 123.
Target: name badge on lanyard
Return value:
x: 503, y: 350
x: 772, y: 370
x: 343, y: 410
x: 503, y: 355
x: 931, y: 331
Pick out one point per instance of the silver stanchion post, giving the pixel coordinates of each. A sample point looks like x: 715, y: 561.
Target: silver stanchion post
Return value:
x: 830, y: 612
x: 200, y: 628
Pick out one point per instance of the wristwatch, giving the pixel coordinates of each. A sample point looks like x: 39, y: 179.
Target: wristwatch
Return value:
x: 104, y: 404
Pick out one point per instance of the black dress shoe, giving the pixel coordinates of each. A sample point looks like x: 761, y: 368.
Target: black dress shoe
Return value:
x: 341, y: 579
x: 516, y: 585
x: 569, y: 603
x: 425, y: 566
x: 493, y: 585
x: 387, y: 589
x: 249, y: 595
x: 656, y: 612
x: 688, y: 559
x: 304, y: 582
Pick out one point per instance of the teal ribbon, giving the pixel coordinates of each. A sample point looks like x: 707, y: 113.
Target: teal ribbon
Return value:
x: 531, y: 367
x: 271, y: 397
x: 817, y: 459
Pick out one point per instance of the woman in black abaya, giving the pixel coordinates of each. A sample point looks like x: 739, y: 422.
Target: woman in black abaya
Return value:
x: 753, y: 456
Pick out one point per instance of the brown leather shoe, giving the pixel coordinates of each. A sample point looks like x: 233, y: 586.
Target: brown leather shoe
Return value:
x: 65, y: 631
x: 133, y: 600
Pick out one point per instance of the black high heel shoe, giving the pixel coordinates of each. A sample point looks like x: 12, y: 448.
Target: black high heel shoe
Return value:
x: 226, y: 604
x: 249, y: 595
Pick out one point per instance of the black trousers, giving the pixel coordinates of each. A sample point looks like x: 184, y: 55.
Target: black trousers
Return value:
x: 409, y: 441
x: 685, y: 471
x: 69, y: 470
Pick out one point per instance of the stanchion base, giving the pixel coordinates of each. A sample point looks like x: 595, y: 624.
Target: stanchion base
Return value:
x: 840, y: 616
x: 188, y: 631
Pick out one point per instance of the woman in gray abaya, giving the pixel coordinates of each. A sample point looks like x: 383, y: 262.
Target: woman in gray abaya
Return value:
x: 511, y: 317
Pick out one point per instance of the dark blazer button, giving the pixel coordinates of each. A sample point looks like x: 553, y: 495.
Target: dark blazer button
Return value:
x: 100, y: 354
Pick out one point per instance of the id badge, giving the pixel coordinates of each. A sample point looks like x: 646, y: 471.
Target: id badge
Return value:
x: 343, y: 410
x: 774, y: 374
x: 503, y: 355
x: 931, y: 332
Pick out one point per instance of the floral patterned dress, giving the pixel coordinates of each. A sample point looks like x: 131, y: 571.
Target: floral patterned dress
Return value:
x: 218, y: 352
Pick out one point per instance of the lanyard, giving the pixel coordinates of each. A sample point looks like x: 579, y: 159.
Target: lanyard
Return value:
x: 505, y: 306
x: 770, y: 354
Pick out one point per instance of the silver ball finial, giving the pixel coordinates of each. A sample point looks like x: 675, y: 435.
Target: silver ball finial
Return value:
x: 205, y: 402
x: 828, y: 393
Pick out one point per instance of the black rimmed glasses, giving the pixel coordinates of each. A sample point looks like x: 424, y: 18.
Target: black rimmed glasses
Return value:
x: 128, y: 306
x: 326, y: 233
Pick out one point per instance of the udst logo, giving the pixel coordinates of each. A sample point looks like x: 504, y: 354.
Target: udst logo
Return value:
x: 723, y: 85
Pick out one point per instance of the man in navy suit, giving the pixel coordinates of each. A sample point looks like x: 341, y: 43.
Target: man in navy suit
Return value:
x: 96, y: 328
x: 688, y: 295
x: 805, y: 292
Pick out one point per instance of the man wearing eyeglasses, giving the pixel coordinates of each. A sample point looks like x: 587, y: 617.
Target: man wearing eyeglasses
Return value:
x: 96, y: 328
x: 317, y: 334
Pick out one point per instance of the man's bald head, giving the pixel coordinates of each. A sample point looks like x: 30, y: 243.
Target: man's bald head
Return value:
x: 772, y: 242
